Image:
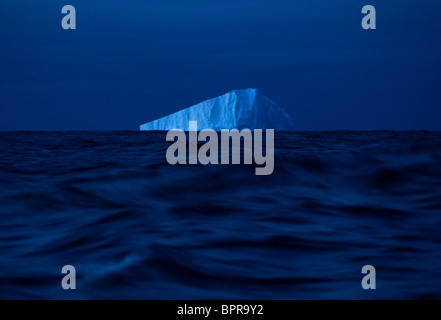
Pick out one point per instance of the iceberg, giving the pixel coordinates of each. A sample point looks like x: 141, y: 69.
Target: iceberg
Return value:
x: 237, y: 109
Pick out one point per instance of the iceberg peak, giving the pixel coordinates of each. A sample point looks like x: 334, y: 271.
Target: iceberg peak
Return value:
x: 237, y: 109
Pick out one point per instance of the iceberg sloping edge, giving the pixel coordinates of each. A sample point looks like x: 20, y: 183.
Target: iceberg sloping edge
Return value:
x: 238, y: 109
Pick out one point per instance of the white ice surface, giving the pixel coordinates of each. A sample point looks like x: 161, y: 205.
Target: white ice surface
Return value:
x: 236, y: 109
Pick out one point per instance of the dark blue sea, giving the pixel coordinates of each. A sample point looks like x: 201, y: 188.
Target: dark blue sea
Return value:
x: 134, y: 226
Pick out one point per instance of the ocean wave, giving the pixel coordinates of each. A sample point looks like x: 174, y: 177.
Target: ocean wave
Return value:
x: 136, y: 227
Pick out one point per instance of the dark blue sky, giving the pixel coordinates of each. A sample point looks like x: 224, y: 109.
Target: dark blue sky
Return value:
x: 132, y: 61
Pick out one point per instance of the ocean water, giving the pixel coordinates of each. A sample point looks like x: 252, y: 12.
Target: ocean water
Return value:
x: 136, y: 227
